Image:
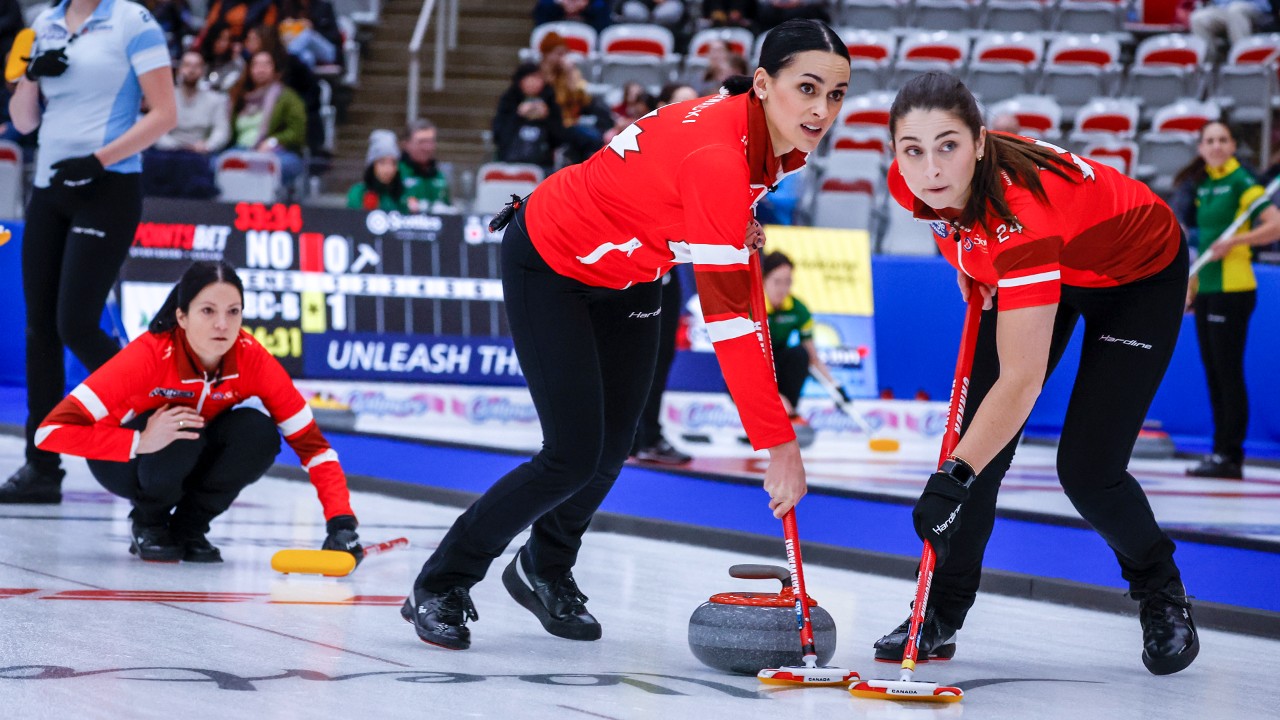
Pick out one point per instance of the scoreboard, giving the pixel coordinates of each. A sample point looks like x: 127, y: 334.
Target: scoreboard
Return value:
x: 397, y: 297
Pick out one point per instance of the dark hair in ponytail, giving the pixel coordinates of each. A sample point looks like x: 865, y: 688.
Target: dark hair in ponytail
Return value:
x: 1196, y: 171
x: 199, y: 276
x: 1021, y: 160
x: 784, y: 42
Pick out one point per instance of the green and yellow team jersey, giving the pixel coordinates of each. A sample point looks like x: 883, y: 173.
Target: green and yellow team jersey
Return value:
x: 1220, y: 199
x: 789, y: 317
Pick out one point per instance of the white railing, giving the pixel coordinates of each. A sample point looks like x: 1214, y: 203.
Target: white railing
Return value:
x: 446, y: 12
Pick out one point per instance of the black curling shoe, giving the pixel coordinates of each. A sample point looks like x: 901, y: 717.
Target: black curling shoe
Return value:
x: 441, y: 619
x: 937, y: 641
x: 557, y: 603
x: 1169, y: 638
x: 1218, y: 466
x: 198, y: 549
x: 29, y: 486
x: 153, y: 543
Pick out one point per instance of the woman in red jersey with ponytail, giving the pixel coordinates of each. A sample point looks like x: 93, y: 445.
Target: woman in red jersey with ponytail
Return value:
x: 160, y: 426
x: 579, y: 261
x: 1048, y: 238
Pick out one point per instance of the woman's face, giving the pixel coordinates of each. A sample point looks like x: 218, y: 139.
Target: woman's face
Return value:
x: 1216, y: 145
x: 777, y: 285
x: 222, y: 43
x: 682, y: 93
x: 212, y: 320
x: 252, y: 41
x: 803, y: 101
x: 532, y: 84
x: 262, y: 69
x: 937, y: 155
x: 384, y: 168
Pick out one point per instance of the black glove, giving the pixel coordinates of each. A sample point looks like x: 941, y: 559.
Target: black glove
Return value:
x: 937, y: 512
x: 50, y: 63
x: 844, y: 395
x: 342, y: 536
x: 77, y: 171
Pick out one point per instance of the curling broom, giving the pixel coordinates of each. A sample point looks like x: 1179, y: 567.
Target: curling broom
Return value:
x: 810, y: 673
x: 330, y: 563
x: 878, y: 444
x: 904, y: 688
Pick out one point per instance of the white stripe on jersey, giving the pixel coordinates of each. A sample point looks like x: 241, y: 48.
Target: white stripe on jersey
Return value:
x: 297, y: 422
x: 329, y: 455
x: 1030, y: 279
x: 721, y: 330
x: 703, y: 254
x: 44, y: 432
x: 89, y: 399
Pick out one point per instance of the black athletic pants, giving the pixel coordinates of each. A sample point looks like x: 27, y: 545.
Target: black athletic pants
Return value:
x: 75, y: 241
x: 650, y: 429
x: 1129, y: 335
x: 1222, y: 323
x: 791, y: 365
x: 588, y: 355
x: 201, y: 477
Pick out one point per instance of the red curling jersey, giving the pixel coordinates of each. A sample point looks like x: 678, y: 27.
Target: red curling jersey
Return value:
x: 1102, y: 230
x: 679, y: 185
x: 156, y: 370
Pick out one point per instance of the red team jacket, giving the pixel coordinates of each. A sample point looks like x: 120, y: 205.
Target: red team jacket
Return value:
x: 156, y: 370
x: 1105, y: 230
x: 678, y: 186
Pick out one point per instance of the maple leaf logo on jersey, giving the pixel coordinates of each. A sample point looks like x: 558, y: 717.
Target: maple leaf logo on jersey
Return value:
x: 628, y: 138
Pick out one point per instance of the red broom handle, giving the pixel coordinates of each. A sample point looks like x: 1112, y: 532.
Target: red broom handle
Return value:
x: 385, y: 546
x: 796, y: 566
x: 955, y: 416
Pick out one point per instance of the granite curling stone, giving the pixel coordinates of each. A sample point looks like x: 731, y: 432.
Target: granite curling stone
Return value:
x: 744, y: 632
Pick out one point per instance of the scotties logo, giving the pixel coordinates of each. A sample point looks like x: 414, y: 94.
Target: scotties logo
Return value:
x: 941, y: 229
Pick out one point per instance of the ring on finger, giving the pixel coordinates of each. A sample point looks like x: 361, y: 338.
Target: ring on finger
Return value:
x: 181, y: 424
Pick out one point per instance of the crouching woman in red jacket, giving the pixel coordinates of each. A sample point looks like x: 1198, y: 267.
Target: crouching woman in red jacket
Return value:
x: 159, y: 426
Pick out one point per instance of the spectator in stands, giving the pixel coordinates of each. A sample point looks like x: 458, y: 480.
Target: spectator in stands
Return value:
x: 672, y: 93
x: 294, y: 73
x: 788, y: 317
x: 221, y: 57
x: 722, y: 64
x: 585, y: 120
x: 1224, y: 293
x: 1230, y: 19
x: 383, y: 187
x: 179, y: 164
x: 418, y: 167
x: 240, y: 15
x: 729, y: 13
x: 309, y: 30
x: 83, y: 91
x: 527, y: 127
x: 636, y: 103
x: 667, y: 13
x: 1006, y: 122
x: 175, y: 20
x: 650, y: 445
x: 770, y: 13
x: 267, y: 116
x: 592, y: 12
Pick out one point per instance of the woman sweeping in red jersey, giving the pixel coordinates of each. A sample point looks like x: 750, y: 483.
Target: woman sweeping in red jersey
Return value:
x: 578, y: 265
x: 1047, y: 238
x: 157, y: 425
